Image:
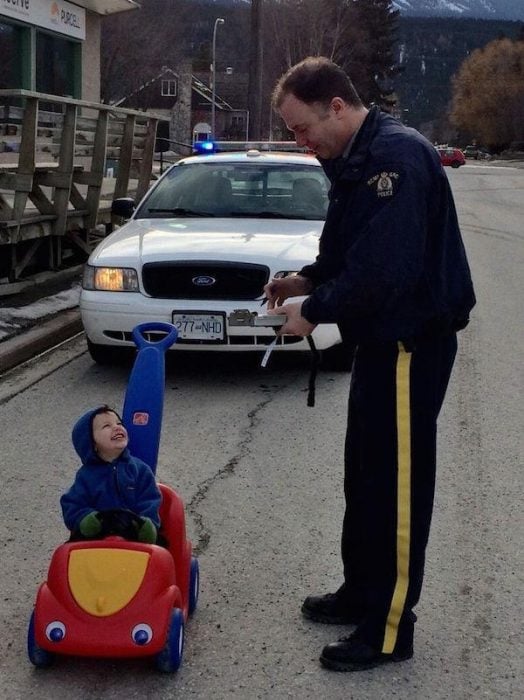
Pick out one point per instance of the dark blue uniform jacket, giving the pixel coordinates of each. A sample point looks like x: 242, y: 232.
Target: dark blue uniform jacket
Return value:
x: 127, y: 482
x: 391, y: 263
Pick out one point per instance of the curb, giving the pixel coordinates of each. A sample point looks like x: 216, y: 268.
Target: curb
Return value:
x: 10, y: 288
x: 37, y: 339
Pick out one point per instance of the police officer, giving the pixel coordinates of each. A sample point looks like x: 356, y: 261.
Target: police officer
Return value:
x: 392, y: 272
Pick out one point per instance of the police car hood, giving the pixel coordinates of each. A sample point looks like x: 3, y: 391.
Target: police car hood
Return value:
x: 262, y: 241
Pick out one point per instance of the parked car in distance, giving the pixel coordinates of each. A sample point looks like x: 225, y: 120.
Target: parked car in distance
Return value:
x: 476, y: 152
x: 451, y: 156
x: 206, y: 238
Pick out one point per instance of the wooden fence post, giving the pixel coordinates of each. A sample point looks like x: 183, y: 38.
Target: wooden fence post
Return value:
x: 126, y: 156
x: 26, y: 159
x: 146, y: 166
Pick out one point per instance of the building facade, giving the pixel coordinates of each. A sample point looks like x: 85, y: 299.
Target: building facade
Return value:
x: 53, y: 46
x: 186, y: 102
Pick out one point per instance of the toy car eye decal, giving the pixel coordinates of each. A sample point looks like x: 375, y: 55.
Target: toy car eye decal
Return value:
x: 55, y: 631
x: 142, y: 634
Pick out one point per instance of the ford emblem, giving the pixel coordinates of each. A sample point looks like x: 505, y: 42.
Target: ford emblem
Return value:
x: 203, y: 281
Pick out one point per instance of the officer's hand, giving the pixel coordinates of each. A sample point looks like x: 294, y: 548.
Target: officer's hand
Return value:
x: 296, y: 324
x: 278, y: 290
x: 90, y: 525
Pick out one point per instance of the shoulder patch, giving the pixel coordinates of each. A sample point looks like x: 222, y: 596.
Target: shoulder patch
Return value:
x: 383, y: 183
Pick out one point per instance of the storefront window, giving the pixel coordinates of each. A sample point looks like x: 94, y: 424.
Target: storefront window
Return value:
x: 10, y: 56
x: 56, y: 60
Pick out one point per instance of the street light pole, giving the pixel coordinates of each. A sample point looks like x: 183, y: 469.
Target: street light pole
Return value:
x: 218, y: 21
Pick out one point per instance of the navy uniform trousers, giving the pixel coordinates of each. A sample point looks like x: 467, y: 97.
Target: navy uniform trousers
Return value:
x: 390, y: 458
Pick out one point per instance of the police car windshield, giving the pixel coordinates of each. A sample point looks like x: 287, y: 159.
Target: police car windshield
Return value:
x: 285, y: 191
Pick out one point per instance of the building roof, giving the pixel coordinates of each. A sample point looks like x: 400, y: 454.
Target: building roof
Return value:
x: 108, y: 7
x: 207, y: 93
x: 197, y: 85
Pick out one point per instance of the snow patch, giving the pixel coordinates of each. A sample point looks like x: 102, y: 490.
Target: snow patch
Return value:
x: 13, y: 318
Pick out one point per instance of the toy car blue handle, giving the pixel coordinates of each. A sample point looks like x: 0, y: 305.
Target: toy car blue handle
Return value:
x: 163, y: 343
x: 143, y: 403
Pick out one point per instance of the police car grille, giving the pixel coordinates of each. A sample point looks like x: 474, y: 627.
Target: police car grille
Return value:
x: 204, y: 280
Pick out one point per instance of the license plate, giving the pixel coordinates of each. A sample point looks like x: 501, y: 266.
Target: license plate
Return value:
x: 200, y: 326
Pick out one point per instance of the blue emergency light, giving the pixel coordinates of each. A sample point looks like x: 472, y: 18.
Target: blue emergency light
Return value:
x: 203, y: 147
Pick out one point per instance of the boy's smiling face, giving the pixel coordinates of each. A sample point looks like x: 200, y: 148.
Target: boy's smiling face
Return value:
x: 109, y: 436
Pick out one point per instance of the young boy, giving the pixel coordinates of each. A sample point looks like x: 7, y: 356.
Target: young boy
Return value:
x: 110, y: 477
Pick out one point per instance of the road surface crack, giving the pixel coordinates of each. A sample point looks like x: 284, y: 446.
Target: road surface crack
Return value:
x: 203, y: 533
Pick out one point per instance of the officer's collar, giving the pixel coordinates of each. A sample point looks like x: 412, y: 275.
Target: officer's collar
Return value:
x: 347, y: 149
x: 348, y: 165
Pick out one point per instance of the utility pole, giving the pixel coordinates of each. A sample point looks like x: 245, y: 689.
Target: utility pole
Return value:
x: 255, y: 72
x: 218, y: 21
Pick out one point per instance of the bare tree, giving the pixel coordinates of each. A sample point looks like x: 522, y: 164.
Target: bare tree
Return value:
x: 255, y: 71
x: 359, y: 35
x: 300, y: 28
x: 135, y: 46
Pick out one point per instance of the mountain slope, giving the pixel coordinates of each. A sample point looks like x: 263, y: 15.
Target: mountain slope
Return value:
x: 479, y: 9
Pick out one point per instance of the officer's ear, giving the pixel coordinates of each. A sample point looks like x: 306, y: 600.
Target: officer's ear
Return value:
x: 337, y: 105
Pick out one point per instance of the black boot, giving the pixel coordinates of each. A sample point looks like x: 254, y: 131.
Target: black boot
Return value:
x: 353, y: 654
x: 331, y: 609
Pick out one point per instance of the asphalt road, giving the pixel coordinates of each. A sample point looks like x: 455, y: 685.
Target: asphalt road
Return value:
x: 261, y: 475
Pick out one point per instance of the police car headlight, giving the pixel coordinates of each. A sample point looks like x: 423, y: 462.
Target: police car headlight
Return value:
x: 110, y: 279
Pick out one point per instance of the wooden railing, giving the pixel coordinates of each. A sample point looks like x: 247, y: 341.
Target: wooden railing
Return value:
x: 54, y: 192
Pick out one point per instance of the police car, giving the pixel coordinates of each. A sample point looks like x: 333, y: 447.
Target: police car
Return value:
x: 203, y: 242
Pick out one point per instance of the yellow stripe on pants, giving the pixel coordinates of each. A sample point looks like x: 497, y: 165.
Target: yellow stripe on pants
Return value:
x: 403, y: 499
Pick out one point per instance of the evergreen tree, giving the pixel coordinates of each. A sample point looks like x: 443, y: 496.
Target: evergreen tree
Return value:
x: 366, y: 49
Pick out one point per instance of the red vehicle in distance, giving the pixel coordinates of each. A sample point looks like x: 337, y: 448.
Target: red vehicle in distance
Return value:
x: 451, y: 156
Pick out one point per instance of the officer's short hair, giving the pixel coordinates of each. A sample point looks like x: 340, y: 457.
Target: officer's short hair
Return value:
x: 316, y: 79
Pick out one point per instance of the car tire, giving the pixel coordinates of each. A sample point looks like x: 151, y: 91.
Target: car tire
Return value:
x: 337, y: 358
x: 37, y: 656
x: 194, y: 585
x: 170, y: 658
x: 456, y: 164
x: 106, y: 355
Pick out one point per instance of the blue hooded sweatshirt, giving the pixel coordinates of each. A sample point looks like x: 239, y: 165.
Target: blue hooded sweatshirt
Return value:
x: 127, y: 482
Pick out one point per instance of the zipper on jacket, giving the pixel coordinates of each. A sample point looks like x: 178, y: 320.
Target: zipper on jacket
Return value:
x: 115, y: 479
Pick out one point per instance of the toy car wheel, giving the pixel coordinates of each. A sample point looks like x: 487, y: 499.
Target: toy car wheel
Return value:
x: 170, y: 658
x: 194, y: 585
x: 37, y: 656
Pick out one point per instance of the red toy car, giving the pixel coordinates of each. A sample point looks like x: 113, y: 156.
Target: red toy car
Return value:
x: 115, y: 598
x: 112, y: 597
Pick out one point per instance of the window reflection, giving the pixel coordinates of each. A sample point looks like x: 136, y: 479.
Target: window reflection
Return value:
x: 55, y: 62
x: 10, y: 51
